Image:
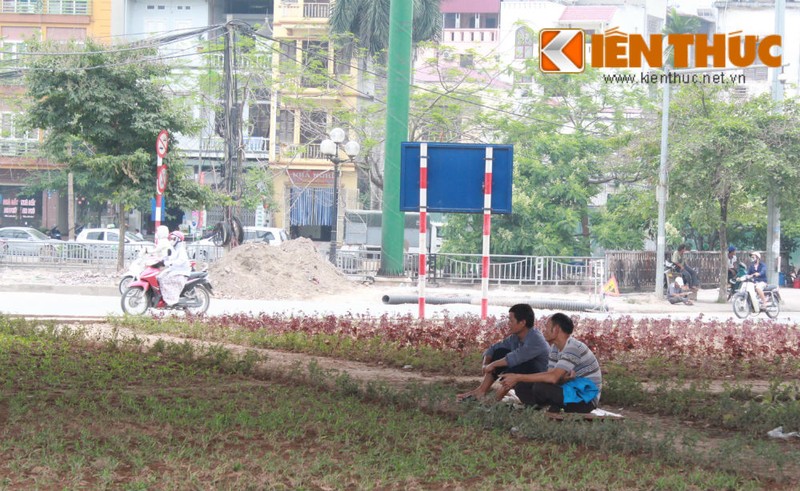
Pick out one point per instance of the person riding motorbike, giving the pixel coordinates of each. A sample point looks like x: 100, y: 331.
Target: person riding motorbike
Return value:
x: 758, y: 272
x: 173, y: 277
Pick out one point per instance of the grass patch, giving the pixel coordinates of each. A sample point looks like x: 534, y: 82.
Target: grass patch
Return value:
x: 75, y: 414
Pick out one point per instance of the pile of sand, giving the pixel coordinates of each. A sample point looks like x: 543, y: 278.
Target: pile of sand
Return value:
x: 295, y: 270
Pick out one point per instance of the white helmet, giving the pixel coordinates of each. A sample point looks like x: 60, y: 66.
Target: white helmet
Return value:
x: 679, y: 281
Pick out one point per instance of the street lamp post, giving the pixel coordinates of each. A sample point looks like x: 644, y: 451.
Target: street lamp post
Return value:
x: 330, y: 148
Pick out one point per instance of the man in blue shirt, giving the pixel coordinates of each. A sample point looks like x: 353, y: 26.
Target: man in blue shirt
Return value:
x: 758, y: 272
x: 573, y: 380
x: 524, y: 351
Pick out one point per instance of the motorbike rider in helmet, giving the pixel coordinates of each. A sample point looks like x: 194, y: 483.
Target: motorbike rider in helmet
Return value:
x: 758, y: 272
x: 178, y: 268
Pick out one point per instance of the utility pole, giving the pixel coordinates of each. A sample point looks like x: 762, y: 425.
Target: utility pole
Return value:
x: 70, y: 207
x: 400, y: 26
x: 663, y: 187
x: 229, y: 85
x: 773, y: 248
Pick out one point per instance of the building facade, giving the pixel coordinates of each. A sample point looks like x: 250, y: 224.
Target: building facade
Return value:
x: 20, y: 22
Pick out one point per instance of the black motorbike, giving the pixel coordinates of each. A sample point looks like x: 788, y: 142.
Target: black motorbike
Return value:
x: 54, y: 233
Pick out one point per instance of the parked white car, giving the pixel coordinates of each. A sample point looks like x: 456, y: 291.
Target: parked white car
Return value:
x: 28, y: 241
x: 273, y: 235
x: 103, y: 243
x: 205, y: 249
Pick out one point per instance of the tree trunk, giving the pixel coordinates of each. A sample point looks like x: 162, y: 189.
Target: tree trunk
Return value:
x: 723, y: 243
x: 121, y: 249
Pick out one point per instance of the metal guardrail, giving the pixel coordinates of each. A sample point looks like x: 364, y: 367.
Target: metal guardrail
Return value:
x: 63, y: 253
x: 361, y: 264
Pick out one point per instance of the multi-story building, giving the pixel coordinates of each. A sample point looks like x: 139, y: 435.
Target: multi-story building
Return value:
x: 20, y: 22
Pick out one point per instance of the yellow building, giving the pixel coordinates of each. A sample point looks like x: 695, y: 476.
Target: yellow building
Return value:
x: 303, y: 177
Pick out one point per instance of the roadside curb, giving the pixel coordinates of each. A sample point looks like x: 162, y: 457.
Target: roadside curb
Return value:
x: 96, y: 290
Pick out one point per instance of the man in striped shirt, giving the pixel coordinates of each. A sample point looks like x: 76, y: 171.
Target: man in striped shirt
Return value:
x: 572, y: 382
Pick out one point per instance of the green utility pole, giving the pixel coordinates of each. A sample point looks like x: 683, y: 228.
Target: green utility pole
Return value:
x: 393, y: 223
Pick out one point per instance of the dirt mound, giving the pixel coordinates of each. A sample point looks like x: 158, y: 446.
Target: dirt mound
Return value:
x: 295, y: 270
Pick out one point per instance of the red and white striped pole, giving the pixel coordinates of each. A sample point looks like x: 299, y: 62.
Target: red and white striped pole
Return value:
x: 423, y: 223
x: 487, y: 227
x: 162, y: 143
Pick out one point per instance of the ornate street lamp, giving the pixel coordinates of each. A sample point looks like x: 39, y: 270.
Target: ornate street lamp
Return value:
x: 330, y: 149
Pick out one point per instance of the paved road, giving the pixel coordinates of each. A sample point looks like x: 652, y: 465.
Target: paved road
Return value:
x: 101, y: 302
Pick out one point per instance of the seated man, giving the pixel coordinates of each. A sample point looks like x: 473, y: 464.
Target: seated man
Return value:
x: 524, y: 351
x: 573, y: 380
x: 678, y: 293
x: 690, y: 276
x: 732, y: 263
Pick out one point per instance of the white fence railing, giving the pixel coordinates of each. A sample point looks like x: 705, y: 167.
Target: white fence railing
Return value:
x: 450, y: 268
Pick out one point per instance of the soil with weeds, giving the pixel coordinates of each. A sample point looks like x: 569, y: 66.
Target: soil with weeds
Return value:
x: 703, y: 438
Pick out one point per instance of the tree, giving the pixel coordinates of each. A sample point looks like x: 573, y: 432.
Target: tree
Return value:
x: 367, y: 21
x: 360, y: 28
x: 726, y: 154
x: 101, y: 111
x: 568, y: 141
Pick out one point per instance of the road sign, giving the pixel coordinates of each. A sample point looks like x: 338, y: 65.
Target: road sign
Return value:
x: 161, y: 180
x: 455, y: 177
x: 162, y: 143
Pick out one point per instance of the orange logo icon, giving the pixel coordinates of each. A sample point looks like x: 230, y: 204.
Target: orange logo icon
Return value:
x: 561, y: 50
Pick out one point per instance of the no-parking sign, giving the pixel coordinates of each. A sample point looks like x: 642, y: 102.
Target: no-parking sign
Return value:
x: 162, y: 143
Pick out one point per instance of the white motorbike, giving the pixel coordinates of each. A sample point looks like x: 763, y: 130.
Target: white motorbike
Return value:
x: 134, y: 270
x: 746, y: 301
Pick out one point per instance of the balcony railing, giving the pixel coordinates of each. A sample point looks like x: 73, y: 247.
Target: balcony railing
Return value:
x: 54, y: 7
x: 213, y: 146
x: 469, y: 35
x: 316, y: 10
x: 17, y: 148
x: 311, y: 10
x: 307, y: 151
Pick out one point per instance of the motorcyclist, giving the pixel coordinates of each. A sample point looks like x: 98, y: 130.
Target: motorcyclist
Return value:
x: 758, y: 273
x: 178, y: 268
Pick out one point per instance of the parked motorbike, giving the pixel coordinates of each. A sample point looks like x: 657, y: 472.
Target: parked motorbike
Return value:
x: 746, y: 301
x: 54, y: 233
x: 144, y: 293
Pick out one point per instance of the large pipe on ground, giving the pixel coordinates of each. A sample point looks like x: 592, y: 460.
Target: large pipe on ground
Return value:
x: 536, y: 304
x: 399, y: 299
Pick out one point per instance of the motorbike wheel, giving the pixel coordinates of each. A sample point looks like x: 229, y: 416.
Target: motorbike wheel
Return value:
x: 135, y: 301
x: 200, y: 296
x: 773, y: 308
x: 124, y: 282
x: 741, y: 305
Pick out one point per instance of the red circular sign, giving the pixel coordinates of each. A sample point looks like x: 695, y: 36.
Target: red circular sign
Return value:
x: 161, y: 179
x: 162, y: 143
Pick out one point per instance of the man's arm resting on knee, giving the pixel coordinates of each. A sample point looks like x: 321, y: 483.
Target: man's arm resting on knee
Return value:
x: 552, y: 376
x: 489, y: 368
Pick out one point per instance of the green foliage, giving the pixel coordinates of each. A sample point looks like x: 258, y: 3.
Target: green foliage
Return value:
x: 563, y: 154
x: 368, y: 22
x: 101, y: 112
